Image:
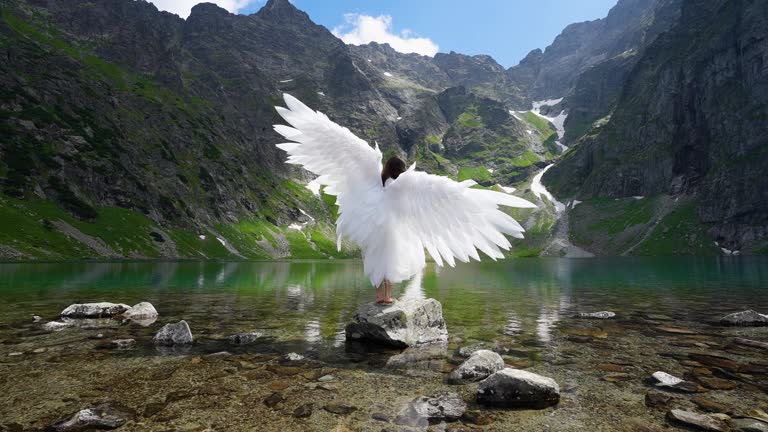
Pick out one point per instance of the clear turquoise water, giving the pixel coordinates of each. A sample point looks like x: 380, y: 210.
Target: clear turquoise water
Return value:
x: 309, y: 302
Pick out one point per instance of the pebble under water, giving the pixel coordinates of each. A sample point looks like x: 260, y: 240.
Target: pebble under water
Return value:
x: 667, y: 313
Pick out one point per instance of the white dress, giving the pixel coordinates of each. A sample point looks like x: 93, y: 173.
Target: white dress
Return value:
x: 394, y: 224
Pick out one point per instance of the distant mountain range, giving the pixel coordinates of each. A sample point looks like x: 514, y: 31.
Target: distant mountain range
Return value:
x: 129, y: 132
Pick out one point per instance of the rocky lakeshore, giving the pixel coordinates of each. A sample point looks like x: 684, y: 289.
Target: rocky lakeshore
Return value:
x: 122, y: 377
x: 281, y: 359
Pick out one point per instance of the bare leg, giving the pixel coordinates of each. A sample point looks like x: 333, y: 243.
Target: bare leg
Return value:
x: 387, y: 291
x: 379, y: 294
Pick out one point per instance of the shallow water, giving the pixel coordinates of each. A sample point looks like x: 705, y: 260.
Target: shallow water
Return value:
x: 667, y: 312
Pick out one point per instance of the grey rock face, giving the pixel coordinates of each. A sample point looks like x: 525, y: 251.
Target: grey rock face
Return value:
x: 174, y: 334
x: 478, y: 366
x: 401, y: 324
x: 439, y: 407
x: 514, y: 388
x: 701, y: 421
x: 94, y: 310
x: 745, y: 318
x: 99, y: 417
x: 707, y: 151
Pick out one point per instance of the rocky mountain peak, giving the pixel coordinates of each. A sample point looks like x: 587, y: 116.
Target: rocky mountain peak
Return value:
x: 282, y: 11
x: 207, y: 9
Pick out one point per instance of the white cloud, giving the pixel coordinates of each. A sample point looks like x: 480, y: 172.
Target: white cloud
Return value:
x: 182, y: 8
x: 361, y: 29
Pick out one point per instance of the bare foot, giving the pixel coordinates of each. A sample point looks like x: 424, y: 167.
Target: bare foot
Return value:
x: 387, y: 301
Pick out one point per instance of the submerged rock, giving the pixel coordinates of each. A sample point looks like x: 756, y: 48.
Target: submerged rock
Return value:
x: 141, y: 311
x: 174, y: 334
x: 94, y: 310
x: 292, y: 356
x: 596, y: 315
x: 751, y: 343
x: 477, y: 367
x: 468, y: 350
x: 516, y: 388
x: 119, y: 344
x: 667, y: 381
x: 340, y: 408
x: 422, y: 357
x: 401, y: 324
x: 56, y: 325
x: 244, y: 338
x: 439, y: 407
x: 747, y: 425
x: 705, y: 422
x: 745, y: 318
x: 657, y: 399
x: 664, y: 379
x: 99, y: 417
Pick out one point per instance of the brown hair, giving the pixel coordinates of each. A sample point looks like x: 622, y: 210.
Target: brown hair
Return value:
x: 392, y: 169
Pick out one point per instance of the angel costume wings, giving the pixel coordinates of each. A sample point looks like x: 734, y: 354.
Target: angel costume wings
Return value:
x: 394, y: 223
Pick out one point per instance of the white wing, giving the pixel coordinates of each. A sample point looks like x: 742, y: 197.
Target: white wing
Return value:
x: 450, y: 219
x: 345, y: 164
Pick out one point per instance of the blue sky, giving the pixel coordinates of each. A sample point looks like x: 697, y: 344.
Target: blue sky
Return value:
x: 505, y: 29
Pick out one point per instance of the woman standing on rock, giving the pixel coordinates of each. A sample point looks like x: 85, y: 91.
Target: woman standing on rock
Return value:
x: 395, y: 213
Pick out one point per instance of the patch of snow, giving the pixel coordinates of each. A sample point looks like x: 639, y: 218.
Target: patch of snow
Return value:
x: 558, y: 121
x: 369, y: 60
x: 726, y: 251
x: 321, y: 93
x: 736, y: 252
x: 295, y: 226
x: 285, y: 81
x: 490, y: 170
x: 399, y: 118
x: 574, y: 203
x: 507, y: 189
x: 538, y: 189
x: 221, y: 240
x: 387, y: 74
x: 638, y: 197
x: 512, y: 113
x: 530, y: 132
x: 314, y: 187
x: 201, y: 236
x: 307, y: 215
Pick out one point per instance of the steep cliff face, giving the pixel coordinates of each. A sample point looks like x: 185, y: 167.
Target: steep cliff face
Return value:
x: 691, y: 122
x: 551, y: 74
x: 114, y: 107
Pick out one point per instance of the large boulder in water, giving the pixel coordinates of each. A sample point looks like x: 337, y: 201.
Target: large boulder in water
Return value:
x: 514, y: 388
x: 94, y: 310
x: 477, y: 367
x: 400, y: 324
x: 174, y: 334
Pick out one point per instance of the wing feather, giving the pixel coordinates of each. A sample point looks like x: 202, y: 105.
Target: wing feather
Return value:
x: 346, y: 165
x: 451, y: 219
